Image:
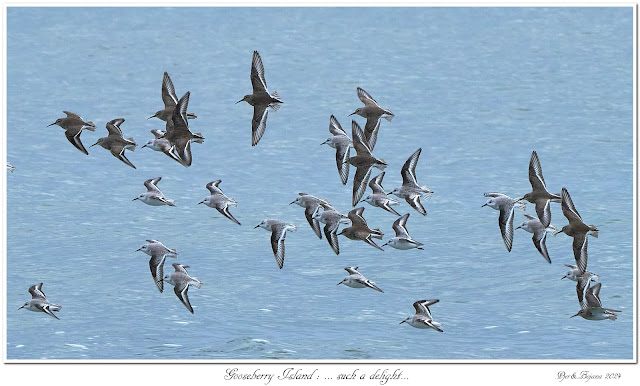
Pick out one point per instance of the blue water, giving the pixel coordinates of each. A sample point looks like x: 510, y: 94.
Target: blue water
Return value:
x: 478, y: 89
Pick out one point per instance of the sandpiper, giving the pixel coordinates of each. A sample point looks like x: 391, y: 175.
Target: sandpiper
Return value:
x: 181, y: 281
x: 363, y: 161
x: 580, y: 269
x: 170, y: 100
x: 378, y: 197
x: 260, y: 99
x: 73, y: 125
x: 332, y: 220
x: 10, y: 167
x: 39, y: 302
x: 219, y: 201
x: 539, y: 194
x: 359, y: 229
x: 590, y: 304
x: 533, y: 225
x: 178, y: 133
x: 505, y: 205
x: 115, y: 142
x: 423, y: 318
x: 158, y: 253
x: 278, y: 233
x: 159, y: 134
x: 154, y: 196
x: 402, y: 239
x: 410, y: 190
x: 341, y: 142
x: 357, y: 280
x: 372, y: 112
x: 310, y: 204
x: 161, y: 144
x: 575, y: 272
x: 576, y: 229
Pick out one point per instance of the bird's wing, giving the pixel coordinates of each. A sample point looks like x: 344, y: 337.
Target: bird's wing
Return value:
x: 408, y: 171
x: 258, y: 81
x: 169, y: 96
x: 258, y: 123
x: 400, y: 226
x: 366, y: 98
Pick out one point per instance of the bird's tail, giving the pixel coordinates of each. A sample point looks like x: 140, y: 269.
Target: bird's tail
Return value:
x: 196, y: 282
x: 611, y: 316
x: 197, y: 138
x: 426, y: 192
x: 275, y: 95
x: 173, y: 254
x: 132, y: 145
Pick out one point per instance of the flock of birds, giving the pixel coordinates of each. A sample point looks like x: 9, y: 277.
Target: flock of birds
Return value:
x: 588, y: 284
x: 175, y: 142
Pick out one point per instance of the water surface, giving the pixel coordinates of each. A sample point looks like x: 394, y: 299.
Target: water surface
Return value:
x: 478, y: 89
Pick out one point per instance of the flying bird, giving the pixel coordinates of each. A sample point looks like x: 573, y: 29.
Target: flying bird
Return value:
x: 260, y: 99
x: 73, y: 125
x: 115, y: 141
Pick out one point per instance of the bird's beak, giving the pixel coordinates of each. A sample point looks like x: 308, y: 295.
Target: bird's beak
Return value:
x: 23, y: 306
x: 351, y: 114
x: 94, y: 144
x: 402, y: 322
x: 239, y: 101
x: 384, y: 244
x: 48, y: 126
x: 292, y: 202
x: 484, y: 205
x: 145, y: 145
x: 256, y: 226
x: 563, y: 277
x: 139, y: 249
x: 518, y: 227
x: 574, y: 315
x: 137, y: 198
x: 201, y: 202
x: 339, y: 283
x: 151, y: 117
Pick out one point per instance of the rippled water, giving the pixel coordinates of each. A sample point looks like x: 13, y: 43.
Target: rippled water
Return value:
x: 476, y: 88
